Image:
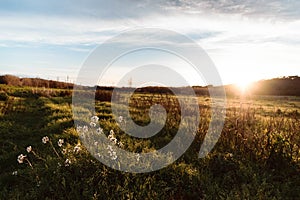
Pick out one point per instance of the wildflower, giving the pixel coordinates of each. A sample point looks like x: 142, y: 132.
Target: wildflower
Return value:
x: 15, y: 173
x: 109, y: 147
x: 79, y: 129
x: 95, y: 119
x: 93, y: 124
x: 64, y: 151
x: 111, y: 137
x: 95, y: 143
x: 67, y: 162
x: 45, y: 139
x: 85, y: 129
x: 121, y: 144
x: 21, y: 158
x: 99, y: 155
x: 99, y: 130
x: 60, y: 142
x: 138, y: 156
x: 113, y: 140
x: 111, y: 132
x: 112, y: 153
x: 77, y: 148
x: 121, y: 119
x: 29, y: 149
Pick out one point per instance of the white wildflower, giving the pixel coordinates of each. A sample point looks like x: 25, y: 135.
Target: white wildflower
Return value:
x: 15, y: 173
x: 111, y: 137
x: 60, y: 142
x: 85, y: 129
x: 114, y: 140
x: 29, y: 149
x: 79, y: 129
x: 121, y: 144
x: 21, y: 158
x: 45, y: 139
x: 64, y: 151
x: 99, y: 155
x: 77, y: 148
x: 93, y: 124
x: 67, y: 162
x: 95, y: 143
x: 109, y: 147
x: 95, y: 119
x: 114, y: 155
x: 112, y: 133
x: 138, y: 156
x: 121, y: 119
x: 99, y: 130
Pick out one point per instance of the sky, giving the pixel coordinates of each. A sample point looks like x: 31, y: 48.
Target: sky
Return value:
x: 247, y: 40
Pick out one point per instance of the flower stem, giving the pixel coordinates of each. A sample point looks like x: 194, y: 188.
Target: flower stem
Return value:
x: 54, y: 149
x: 37, y: 156
x: 35, y: 173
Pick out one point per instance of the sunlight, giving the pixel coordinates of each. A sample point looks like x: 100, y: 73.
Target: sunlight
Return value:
x: 244, y: 85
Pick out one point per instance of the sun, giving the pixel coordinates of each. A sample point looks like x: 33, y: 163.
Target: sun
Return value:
x: 244, y: 86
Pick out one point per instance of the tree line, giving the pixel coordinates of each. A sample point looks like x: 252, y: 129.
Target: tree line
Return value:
x: 283, y: 86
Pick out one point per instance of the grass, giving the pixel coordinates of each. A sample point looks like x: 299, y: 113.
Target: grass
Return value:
x: 256, y: 157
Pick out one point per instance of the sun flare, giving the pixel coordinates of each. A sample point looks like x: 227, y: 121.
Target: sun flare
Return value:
x: 244, y: 86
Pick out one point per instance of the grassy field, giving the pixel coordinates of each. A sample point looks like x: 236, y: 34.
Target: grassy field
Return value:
x: 256, y: 157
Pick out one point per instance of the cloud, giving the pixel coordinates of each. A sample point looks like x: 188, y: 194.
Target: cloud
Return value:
x: 226, y: 29
x: 279, y: 9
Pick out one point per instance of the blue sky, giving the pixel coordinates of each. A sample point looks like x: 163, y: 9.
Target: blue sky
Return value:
x: 246, y: 39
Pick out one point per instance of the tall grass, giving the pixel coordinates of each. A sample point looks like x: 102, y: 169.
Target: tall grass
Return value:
x: 256, y: 157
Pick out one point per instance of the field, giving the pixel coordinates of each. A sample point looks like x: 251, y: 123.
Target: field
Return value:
x: 256, y: 157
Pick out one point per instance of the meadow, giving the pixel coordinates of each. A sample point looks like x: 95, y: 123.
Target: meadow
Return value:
x: 256, y: 157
